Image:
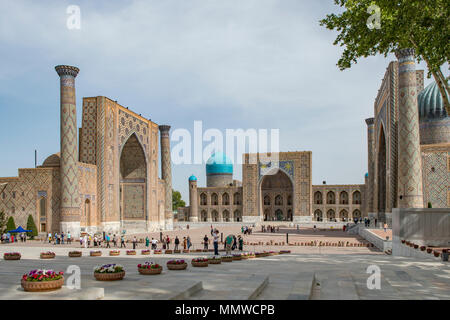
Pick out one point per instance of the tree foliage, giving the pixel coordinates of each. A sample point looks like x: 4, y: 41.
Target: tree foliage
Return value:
x: 10, y: 225
x: 176, y: 200
x: 32, y: 226
x: 419, y: 24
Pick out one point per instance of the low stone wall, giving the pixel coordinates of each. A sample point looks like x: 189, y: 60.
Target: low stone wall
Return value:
x: 401, y: 250
x: 425, y: 227
x: 378, y: 242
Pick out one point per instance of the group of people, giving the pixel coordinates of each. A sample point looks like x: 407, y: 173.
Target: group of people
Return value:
x: 270, y: 229
x: 246, y: 230
x: 8, y: 237
x: 58, y: 238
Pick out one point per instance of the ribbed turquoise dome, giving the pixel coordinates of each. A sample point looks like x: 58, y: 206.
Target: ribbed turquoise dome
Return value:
x: 430, y: 103
x: 192, y: 178
x: 219, y: 163
x: 366, y: 175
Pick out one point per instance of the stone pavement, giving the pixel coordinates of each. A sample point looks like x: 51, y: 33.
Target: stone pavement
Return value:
x: 290, y: 276
x: 295, y: 236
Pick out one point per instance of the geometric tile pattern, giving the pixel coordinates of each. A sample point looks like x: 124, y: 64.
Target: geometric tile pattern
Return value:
x: 409, y: 157
x: 436, y: 178
x: 70, y: 201
x: 166, y: 167
x: 88, y: 136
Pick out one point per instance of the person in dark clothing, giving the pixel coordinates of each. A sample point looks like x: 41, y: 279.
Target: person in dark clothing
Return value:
x: 205, y: 242
x: 177, y: 242
x: 234, y: 246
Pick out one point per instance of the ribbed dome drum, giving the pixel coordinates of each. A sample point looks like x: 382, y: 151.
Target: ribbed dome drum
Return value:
x: 434, y: 121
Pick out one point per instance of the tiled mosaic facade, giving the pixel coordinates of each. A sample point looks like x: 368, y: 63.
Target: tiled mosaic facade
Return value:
x: 83, y: 189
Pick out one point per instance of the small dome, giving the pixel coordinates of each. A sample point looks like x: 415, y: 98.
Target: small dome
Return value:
x: 366, y: 175
x: 52, y: 161
x: 192, y: 178
x: 219, y: 163
x: 430, y: 103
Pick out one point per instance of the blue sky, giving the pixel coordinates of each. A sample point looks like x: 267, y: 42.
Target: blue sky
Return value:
x: 232, y: 64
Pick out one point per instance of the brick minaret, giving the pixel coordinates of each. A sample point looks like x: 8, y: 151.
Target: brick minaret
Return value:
x: 370, y: 164
x: 70, y: 197
x: 193, y: 199
x: 166, y: 172
x: 409, y: 159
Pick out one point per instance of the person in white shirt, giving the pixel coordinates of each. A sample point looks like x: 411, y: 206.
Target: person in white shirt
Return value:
x: 154, y: 244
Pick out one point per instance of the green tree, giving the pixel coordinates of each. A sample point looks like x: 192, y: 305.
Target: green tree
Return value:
x: 3, y: 221
x: 419, y: 24
x: 31, y: 226
x: 176, y: 200
x: 10, y: 225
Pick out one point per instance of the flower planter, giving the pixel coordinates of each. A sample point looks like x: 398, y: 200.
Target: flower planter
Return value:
x: 168, y: 252
x: 285, y: 251
x: 95, y: 253
x: 416, y: 246
x: 114, y: 253
x: 422, y: 248
x: 109, y: 276
x: 176, y: 251
x: 131, y: 253
x: 237, y: 258
x: 227, y: 259
x: 157, y: 252
x: 150, y: 271
x: 214, y: 261
x: 173, y: 266
x: 12, y: 256
x: 199, y: 264
x: 145, y: 252
x: 38, y: 286
x: 186, y: 251
x: 75, y: 254
x: 47, y: 255
x: 436, y: 253
x: 244, y: 257
x: 429, y: 250
x: 198, y: 250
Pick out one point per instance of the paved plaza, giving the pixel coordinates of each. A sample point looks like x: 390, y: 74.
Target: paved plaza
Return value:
x: 314, y: 272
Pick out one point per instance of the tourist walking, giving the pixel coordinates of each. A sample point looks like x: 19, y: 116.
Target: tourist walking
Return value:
x: 114, y: 239
x: 216, y: 243
x: 134, y: 242
x: 234, y: 246
x: 385, y: 227
x: 205, y: 242
x: 168, y: 242
x: 147, y: 241
x: 107, y: 241
x: 177, y: 242
x: 154, y: 244
x: 241, y: 243
x: 69, y: 238
x: 184, y: 243
x: 122, y: 242
x: 228, y: 242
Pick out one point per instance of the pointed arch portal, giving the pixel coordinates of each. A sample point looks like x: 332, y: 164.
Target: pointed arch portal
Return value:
x: 133, y: 180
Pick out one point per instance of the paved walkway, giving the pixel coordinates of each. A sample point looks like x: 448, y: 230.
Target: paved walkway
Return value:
x: 291, y: 276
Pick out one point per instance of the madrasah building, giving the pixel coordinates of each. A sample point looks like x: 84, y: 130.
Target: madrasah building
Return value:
x: 105, y: 177
x: 408, y: 167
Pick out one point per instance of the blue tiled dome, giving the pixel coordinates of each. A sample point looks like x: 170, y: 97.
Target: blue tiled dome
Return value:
x: 219, y: 163
x: 430, y: 103
x: 366, y: 175
x: 192, y: 178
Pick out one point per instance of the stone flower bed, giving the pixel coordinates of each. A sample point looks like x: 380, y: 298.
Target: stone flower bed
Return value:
x: 114, y: 253
x: 109, y: 272
x: 75, y: 254
x: 176, y: 265
x: 285, y: 251
x: 42, y: 280
x: 95, y: 253
x: 227, y: 258
x: 149, y: 268
x: 131, y: 252
x: 145, y: 252
x: 237, y: 257
x: 157, y: 251
x: 200, y: 262
x: 47, y: 255
x: 12, y: 256
x: 248, y: 255
x: 214, y: 260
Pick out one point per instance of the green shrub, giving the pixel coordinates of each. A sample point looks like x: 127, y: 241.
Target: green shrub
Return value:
x: 10, y: 225
x: 32, y: 226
